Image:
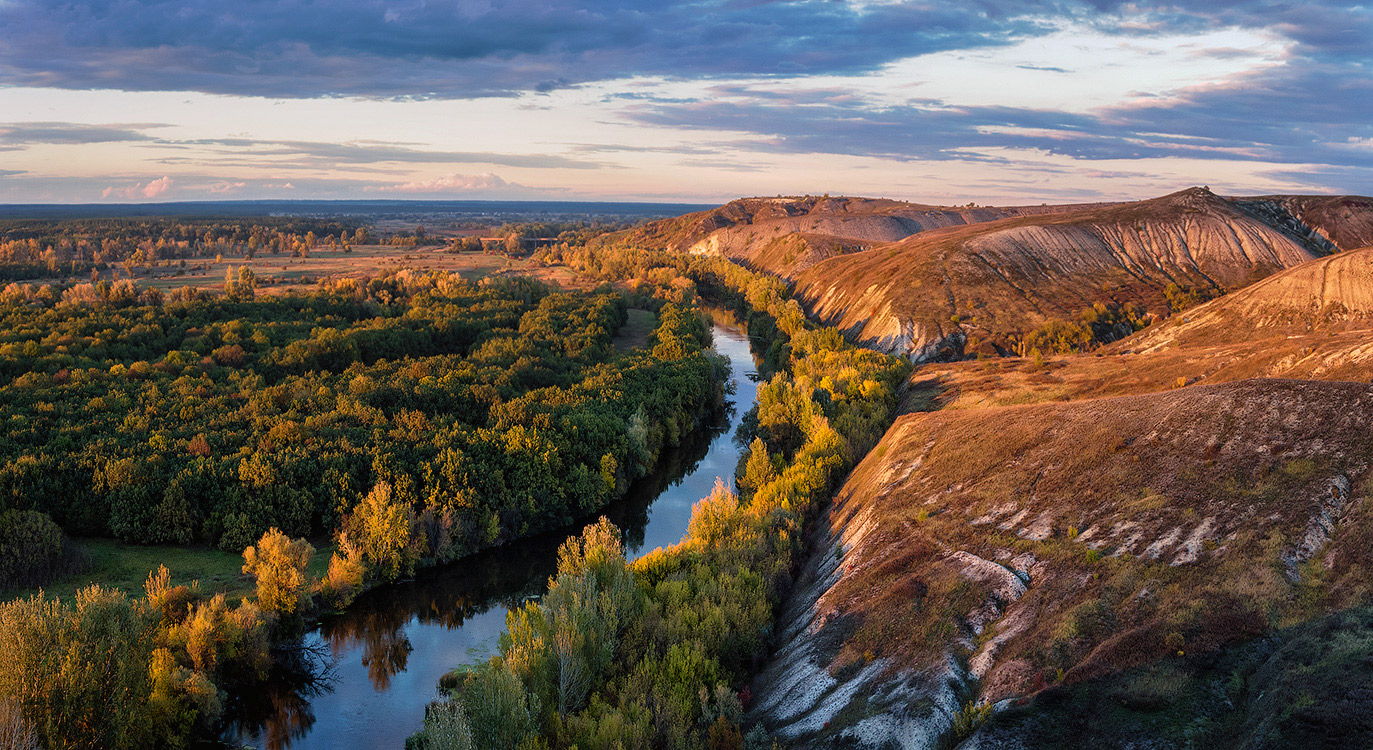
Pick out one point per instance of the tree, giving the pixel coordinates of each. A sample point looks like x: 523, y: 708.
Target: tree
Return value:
x: 380, y: 531
x: 278, y: 563
x: 759, y: 469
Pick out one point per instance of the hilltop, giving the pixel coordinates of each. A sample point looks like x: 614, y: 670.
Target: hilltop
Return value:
x: 786, y: 235
x: 993, y: 281
x: 925, y: 281
x: 988, y: 554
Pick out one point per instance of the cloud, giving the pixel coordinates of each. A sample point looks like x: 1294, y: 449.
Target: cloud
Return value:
x: 378, y: 152
x: 153, y: 189
x: 379, y: 48
x: 71, y: 133
x: 11, y: 172
x: 414, y: 49
x: 484, y: 183
x: 227, y: 187
x: 1312, y: 108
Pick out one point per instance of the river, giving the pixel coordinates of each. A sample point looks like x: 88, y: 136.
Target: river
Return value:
x: 367, y: 674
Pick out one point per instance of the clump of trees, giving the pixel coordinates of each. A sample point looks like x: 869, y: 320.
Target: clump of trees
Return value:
x: 1099, y: 324
x: 1180, y: 298
x: 108, y: 670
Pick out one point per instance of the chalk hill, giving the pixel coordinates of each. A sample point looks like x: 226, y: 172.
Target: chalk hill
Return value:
x: 788, y: 235
x: 988, y: 554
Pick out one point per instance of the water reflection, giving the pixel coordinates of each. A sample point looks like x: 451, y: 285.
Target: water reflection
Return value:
x: 364, y: 677
x: 280, y: 711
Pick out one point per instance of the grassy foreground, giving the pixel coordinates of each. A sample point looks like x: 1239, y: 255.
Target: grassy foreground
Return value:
x: 116, y: 565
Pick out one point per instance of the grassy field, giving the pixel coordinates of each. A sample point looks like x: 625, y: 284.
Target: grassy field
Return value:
x: 126, y: 566
x: 634, y: 333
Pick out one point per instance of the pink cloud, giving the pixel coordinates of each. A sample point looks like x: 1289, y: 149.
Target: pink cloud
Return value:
x: 138, y: 190
x: 452, y: 183
x: 227, y: 187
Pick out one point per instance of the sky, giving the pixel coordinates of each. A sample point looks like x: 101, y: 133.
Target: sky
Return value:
x: 985, y: 101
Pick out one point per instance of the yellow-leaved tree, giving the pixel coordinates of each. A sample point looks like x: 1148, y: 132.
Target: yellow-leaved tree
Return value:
x: 278, y: 563
x: 381, y: 531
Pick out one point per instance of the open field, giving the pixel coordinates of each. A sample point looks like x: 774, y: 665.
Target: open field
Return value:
x: 115, y: 564
x: 280, y: 274
x: 634, y: 333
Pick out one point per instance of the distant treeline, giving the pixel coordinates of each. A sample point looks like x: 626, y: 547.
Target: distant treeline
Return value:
x: 36, y: 248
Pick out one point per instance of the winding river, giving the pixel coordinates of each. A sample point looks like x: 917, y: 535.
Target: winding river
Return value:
x: 367, y: 674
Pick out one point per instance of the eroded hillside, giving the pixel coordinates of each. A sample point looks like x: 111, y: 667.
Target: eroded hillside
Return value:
x: 927, y: 294
x: 984, y: 555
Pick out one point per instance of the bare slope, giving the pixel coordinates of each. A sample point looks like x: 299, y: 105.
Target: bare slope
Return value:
x: 1328, y: 294
x: 1314, y: 320
x: 1011, y: 275
x: 986, y: 554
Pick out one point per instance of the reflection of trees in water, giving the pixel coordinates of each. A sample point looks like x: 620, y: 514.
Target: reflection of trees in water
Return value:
x: 279, y: 710
x: 630, y: 513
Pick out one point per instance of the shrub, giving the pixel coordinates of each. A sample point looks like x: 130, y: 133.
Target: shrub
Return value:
x: 968, y: 719
x: 343, y: 581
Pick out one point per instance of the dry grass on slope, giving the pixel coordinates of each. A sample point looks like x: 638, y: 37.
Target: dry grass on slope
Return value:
x: 1325, y: 295
x: 1143, y: 525
x: 1312, y: 321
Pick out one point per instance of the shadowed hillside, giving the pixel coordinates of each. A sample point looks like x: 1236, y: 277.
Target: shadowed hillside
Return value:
x: 1345, y: 221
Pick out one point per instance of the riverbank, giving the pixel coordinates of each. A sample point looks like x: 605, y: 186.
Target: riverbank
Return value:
x: 386, y: 652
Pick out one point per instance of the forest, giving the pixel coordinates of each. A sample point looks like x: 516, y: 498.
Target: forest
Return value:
x: 410, y: 420
x: 405, y: 421
x: 658, y: 653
